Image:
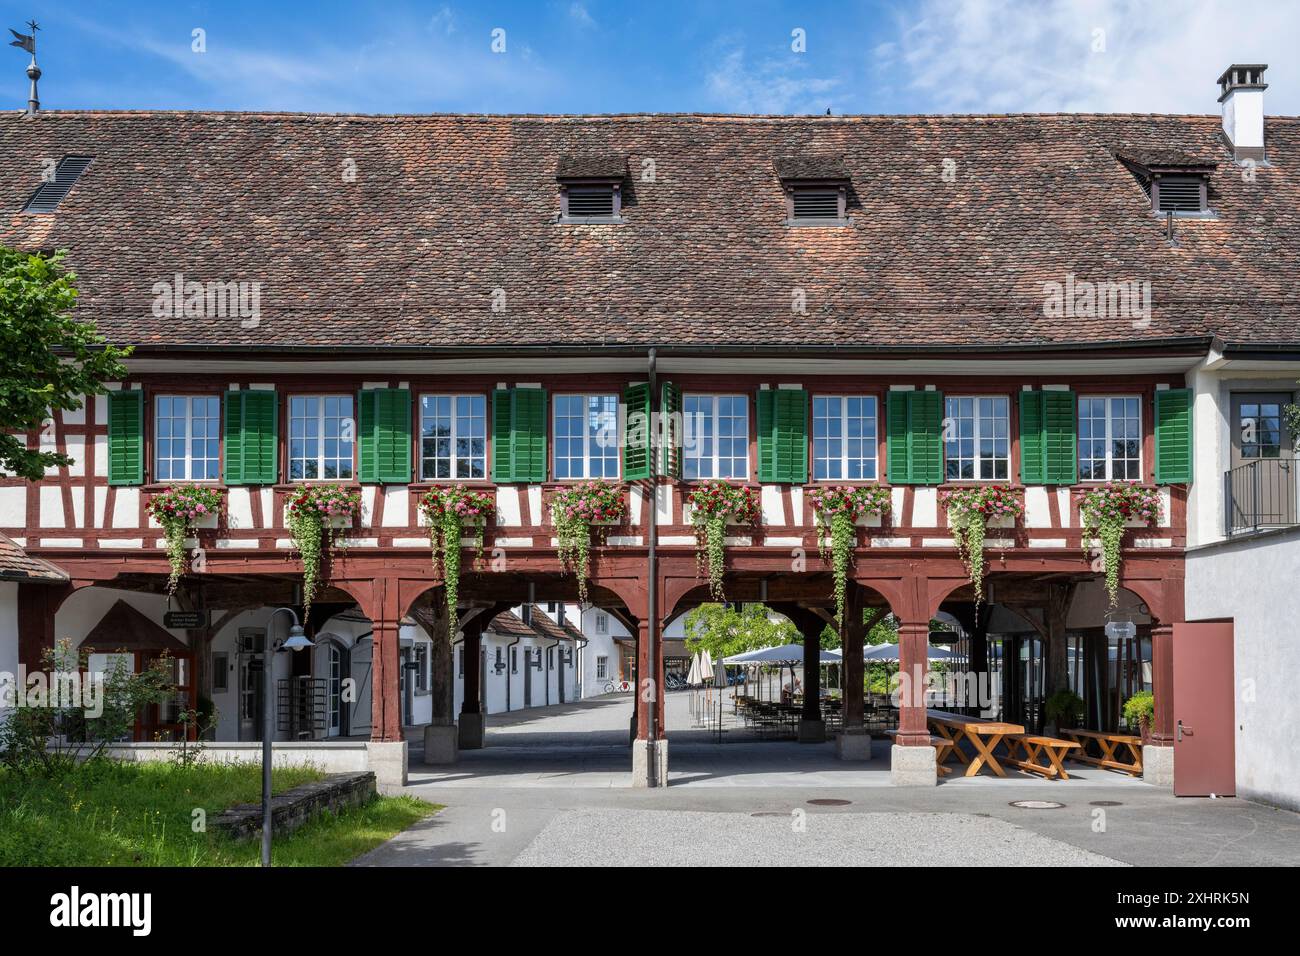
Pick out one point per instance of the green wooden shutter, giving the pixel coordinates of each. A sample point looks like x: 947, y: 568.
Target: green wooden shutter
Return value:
x: 783, y: 435
x: 501, y: 418
x: 1048, y: 443
x: 670, y: 412
x: 1173, y: 436
x: 251, y: 449
x: 126, y: 437
x: 384, y: 432
x: 914, y: 437
x: 1033, y: 458
x: 636, y: 434
x: 528, y: 435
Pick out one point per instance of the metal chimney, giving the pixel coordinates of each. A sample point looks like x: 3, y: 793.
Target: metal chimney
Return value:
x: 1242, y: 89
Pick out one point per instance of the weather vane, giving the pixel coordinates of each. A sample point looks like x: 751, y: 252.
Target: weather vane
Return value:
x: 27, y: 43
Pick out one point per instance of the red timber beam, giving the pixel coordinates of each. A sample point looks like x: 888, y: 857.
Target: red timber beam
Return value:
x: 37, y: 605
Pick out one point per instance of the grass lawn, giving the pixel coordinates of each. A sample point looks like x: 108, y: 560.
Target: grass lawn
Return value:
x: 112, y: 814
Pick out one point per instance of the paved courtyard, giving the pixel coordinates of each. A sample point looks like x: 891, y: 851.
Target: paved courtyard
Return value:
x: 552, y: 788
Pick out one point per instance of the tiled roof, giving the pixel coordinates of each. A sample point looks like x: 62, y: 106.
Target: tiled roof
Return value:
x: 811, y: 167
x: 509, y: 624
x: 444, y: 209
x: 604, y: 166
x: 15, y: 564
x: 548, y: 628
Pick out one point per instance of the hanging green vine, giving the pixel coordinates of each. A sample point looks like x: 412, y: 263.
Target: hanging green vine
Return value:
x: 448, y: 511
x: 1105, y: 512
x: 310, y: 513
x: 712, y: 504
x: 969, y: 512
x: 176, y: 510
x: 839, y: 508
x: 576, y: 510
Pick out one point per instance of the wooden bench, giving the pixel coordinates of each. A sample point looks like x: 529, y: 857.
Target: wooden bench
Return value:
x: 943, y: 750
x: 1033, y: 748
x: 1107, y: 743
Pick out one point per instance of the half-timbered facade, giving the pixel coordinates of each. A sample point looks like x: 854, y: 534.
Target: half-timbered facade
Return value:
x: 400, y: 303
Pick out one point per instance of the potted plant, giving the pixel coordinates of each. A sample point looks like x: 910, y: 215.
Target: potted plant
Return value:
x: 447, y: 511
x: 970, y: 512
x: 1105, y: 512
x: 575, y: 510
x: 713, y: 505
x: 837, y: 509
x: 316, y: 516
x: 1139, y: 710
x: 1064, y: 708
x: 180, y: 510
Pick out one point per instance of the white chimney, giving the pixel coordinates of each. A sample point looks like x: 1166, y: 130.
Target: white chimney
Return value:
x: 1242, y: 97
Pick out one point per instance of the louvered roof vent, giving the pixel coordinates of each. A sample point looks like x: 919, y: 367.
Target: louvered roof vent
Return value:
x: 591, y: 187
x: 816, y: 189
x: 47, y: 198
x: 1174, y: 181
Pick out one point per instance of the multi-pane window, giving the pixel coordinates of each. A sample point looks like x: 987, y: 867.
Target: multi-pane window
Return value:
x: 586, y: 436
x: 1110, y: 439
x: 602, y: 667
x: 187, y: 442
x: 715, y: 437
x: 602, y: 623
x: 976, y: 444
x: 453, y: 436
x: 844, y: 437
x: 321, y: 434
x: 421, y: 652
x: 1261, y: 429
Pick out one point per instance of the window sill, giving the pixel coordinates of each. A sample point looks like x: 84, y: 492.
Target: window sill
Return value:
x: 814, y: 223
x: 590, y: 221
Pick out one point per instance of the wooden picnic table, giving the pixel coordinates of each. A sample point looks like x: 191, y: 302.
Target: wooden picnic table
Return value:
x: 984, y: 735
x: 1107, y: 743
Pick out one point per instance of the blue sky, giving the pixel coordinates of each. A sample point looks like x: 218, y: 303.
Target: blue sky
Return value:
x: 603, y: 56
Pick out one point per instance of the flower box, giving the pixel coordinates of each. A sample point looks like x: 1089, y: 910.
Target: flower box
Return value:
x: 207, y: 522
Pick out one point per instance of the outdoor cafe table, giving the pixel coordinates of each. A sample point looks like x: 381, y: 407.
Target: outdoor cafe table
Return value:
x: 984, y: 735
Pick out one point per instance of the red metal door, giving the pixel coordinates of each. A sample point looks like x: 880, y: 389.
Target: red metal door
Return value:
x: 1204, y: 697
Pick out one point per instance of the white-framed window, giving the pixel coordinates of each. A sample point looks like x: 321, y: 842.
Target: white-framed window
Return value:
x: 602, y: 667
x: 321, y: 437
x: 187, y: 438
x: 421, y: 658
x: 586, y: 436
x: 844, y: 437
x: 453, y: 437
x: 602, y: 622
x: 1110, y: 438
x: 715, y: 437
x: 976, y: 444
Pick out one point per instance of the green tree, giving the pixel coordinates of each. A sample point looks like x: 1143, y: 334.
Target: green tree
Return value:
x: 48, y: 359
x: 722, y: 630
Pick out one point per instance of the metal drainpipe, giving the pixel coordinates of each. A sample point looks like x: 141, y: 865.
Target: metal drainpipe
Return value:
x: 652, y: 625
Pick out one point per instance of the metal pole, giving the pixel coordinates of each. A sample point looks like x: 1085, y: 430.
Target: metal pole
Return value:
x: 268, y: 729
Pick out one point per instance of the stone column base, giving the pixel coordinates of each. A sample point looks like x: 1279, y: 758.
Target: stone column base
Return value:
x: 471, y: 731
x: 643, y: 759
x: 440, y: 744
x: 812, y: 731
x: 853, y: 745
x: 386, y: 759
x: 912, y: 766
x: 1158, y: 766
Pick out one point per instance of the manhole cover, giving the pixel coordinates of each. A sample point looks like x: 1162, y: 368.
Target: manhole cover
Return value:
x: 828, y: 802
x: 770, y: 813
x: 1037, y: 804
x: 1105, y: 803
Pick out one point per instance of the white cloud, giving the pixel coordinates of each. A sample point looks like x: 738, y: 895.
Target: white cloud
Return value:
x: 443, y: 21
x: 578, y: 13
x: 989, y: 57
x: 778, y: 84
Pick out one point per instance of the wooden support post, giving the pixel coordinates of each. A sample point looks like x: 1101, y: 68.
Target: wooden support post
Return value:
x: 853, y: 633
x: 385, y: 695
x: 1162, y: 684
x: 913, y: 664
x: 37, y: 604
x: 812, y: 667
x: 470, y: 703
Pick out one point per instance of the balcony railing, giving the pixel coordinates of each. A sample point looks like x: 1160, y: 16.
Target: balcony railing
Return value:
x: 1261, y: 494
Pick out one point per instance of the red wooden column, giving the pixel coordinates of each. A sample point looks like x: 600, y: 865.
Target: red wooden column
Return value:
x: 913, y: 653
x: 473, y: 630
x: 37, y: 604
x: 1162, y: 684
x: 385, y: 613
x: 855, y: 631
x: 649, y: 683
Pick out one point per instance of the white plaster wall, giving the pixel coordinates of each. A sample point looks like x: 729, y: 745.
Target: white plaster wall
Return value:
x: 8, y: 641
x: 1253, y: 582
